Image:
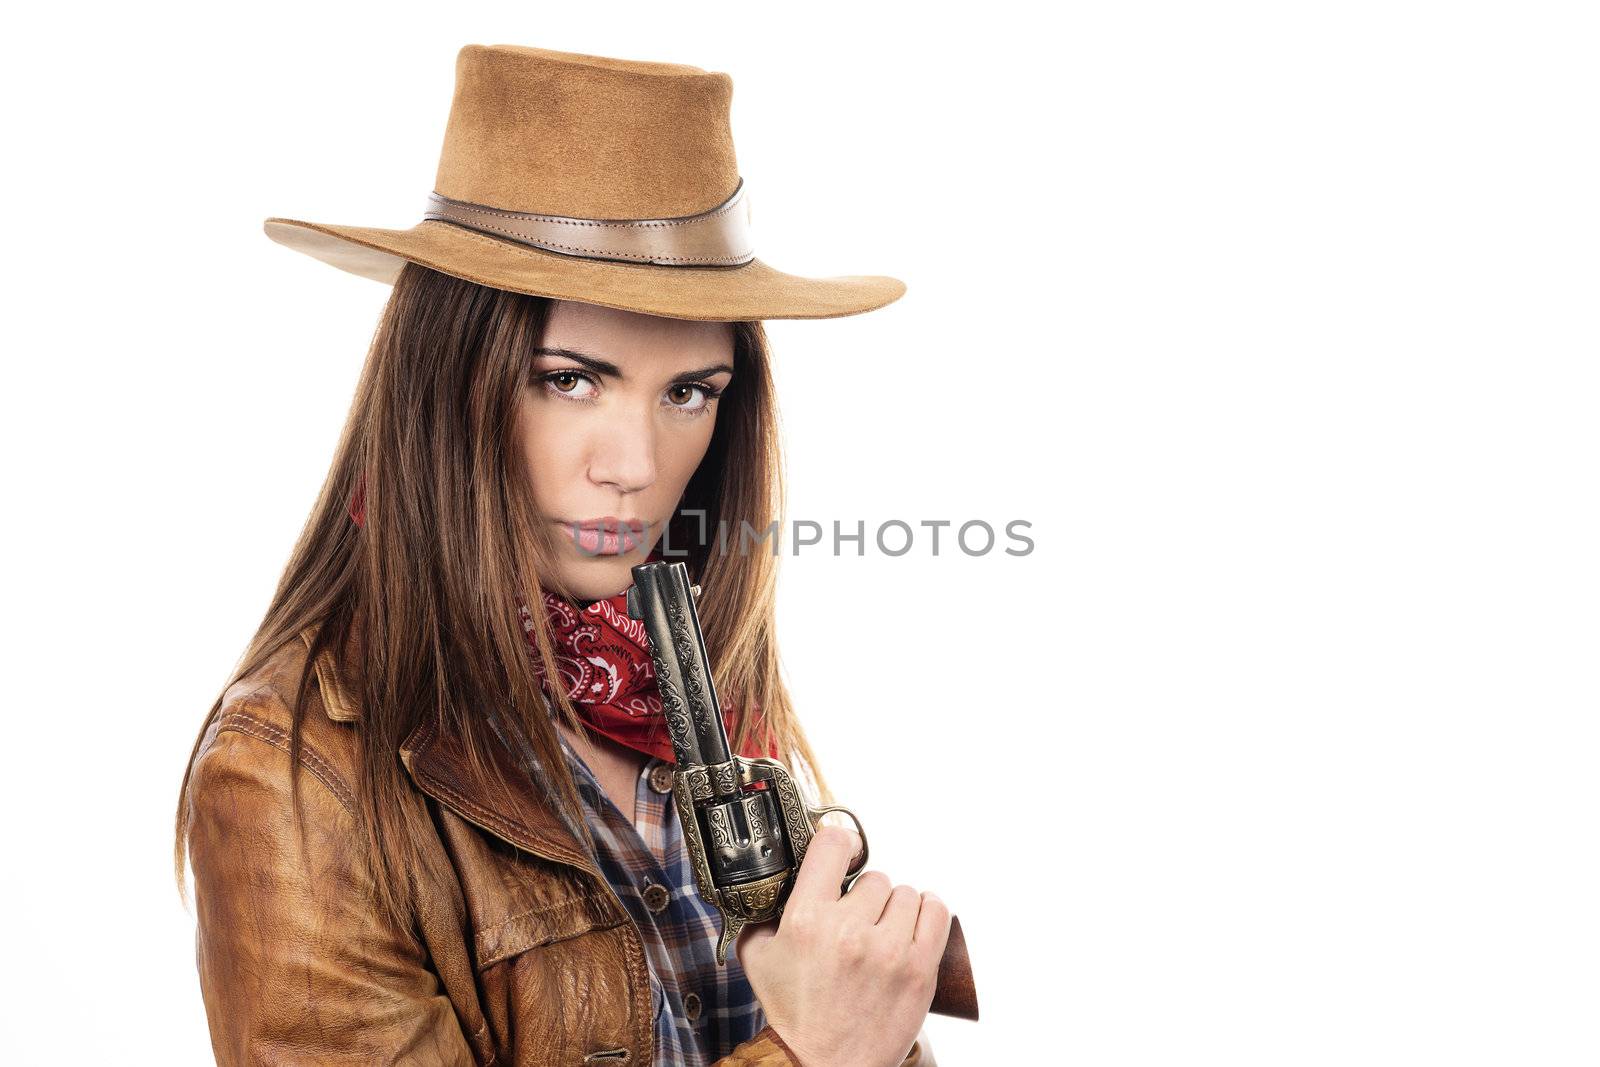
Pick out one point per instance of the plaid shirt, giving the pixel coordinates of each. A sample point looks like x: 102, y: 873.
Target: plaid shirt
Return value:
x: 702, y: 1010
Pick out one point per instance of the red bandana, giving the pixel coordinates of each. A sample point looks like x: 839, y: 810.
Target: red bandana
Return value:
x: 603, y: 658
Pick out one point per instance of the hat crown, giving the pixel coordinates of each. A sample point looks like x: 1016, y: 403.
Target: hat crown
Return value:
x: 564, y: 133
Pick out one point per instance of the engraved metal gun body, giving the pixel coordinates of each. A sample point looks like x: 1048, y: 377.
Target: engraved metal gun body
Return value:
x: 745, y: 825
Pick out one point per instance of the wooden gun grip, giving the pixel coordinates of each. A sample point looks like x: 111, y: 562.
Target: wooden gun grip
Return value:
x: 953, y: 993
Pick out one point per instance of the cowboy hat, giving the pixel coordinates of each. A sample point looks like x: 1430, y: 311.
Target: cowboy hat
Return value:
x: 605, y: 181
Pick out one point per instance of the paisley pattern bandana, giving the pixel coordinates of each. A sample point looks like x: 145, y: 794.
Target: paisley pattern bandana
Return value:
x: 604, y: 666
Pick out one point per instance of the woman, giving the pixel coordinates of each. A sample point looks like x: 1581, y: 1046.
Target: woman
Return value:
x: 427, y: 819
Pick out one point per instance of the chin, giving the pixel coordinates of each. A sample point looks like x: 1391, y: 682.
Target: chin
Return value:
x: 598, y: 577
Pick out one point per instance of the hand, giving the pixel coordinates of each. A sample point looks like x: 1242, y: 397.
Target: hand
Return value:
x: 846, y: 980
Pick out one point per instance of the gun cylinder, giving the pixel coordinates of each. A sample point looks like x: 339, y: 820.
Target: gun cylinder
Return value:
x: 742, y: 838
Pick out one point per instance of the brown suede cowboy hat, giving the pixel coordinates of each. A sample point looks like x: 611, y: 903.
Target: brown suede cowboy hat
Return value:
x: 605, y: 181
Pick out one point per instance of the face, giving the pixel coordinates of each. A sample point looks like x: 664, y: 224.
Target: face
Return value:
x: 616, y: 418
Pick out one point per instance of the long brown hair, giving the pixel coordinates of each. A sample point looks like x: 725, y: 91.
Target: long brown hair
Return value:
x: 451, y: 539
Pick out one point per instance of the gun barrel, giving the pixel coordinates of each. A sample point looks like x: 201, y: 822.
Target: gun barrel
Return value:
x: 662, y: 599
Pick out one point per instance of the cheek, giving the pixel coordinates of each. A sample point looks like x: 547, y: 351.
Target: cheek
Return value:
x: 684, y: 451
x: 548, y: 451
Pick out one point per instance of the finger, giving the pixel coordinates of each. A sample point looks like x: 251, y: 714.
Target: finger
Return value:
x: 933, y: 925
x: 867, y: 896
x: 900, y: 913
x: 822, y: 871
x: 752, y: 940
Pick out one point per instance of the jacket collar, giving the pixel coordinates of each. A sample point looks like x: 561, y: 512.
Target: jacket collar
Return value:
x: 498, y: 798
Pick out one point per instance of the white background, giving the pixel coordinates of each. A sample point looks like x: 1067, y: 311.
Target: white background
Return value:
x: 1277, y: 322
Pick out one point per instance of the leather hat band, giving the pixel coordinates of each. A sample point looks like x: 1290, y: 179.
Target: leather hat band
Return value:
x: 716, y: 238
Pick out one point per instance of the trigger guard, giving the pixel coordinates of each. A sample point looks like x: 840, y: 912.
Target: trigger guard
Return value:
x: 857, y: 865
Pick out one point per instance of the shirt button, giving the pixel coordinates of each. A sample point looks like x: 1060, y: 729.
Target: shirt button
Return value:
x: 691, y: 1006
x: 656, y: 897
x: 661, y: 778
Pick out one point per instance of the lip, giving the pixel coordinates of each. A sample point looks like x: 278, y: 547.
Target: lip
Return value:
x: 609, y: 522
x: 607, y: 535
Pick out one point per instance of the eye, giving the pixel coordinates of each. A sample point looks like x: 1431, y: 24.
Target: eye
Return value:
x: 572, y: 384
x: 682, y: 396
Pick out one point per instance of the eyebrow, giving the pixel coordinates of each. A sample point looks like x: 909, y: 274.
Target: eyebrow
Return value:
x: 604, y: 366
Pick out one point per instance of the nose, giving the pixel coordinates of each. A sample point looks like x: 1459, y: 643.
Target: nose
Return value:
x: 623, y: 456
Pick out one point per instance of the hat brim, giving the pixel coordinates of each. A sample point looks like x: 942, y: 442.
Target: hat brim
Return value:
x: 746, y: 293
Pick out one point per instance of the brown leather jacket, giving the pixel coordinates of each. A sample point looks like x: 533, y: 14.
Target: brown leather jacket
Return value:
x: 531, y: 960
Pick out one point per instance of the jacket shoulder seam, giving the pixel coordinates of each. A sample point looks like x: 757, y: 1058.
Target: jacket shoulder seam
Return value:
x: 310, y: 758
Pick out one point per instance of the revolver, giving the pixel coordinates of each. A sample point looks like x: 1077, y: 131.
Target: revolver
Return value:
x: 745, y: 825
